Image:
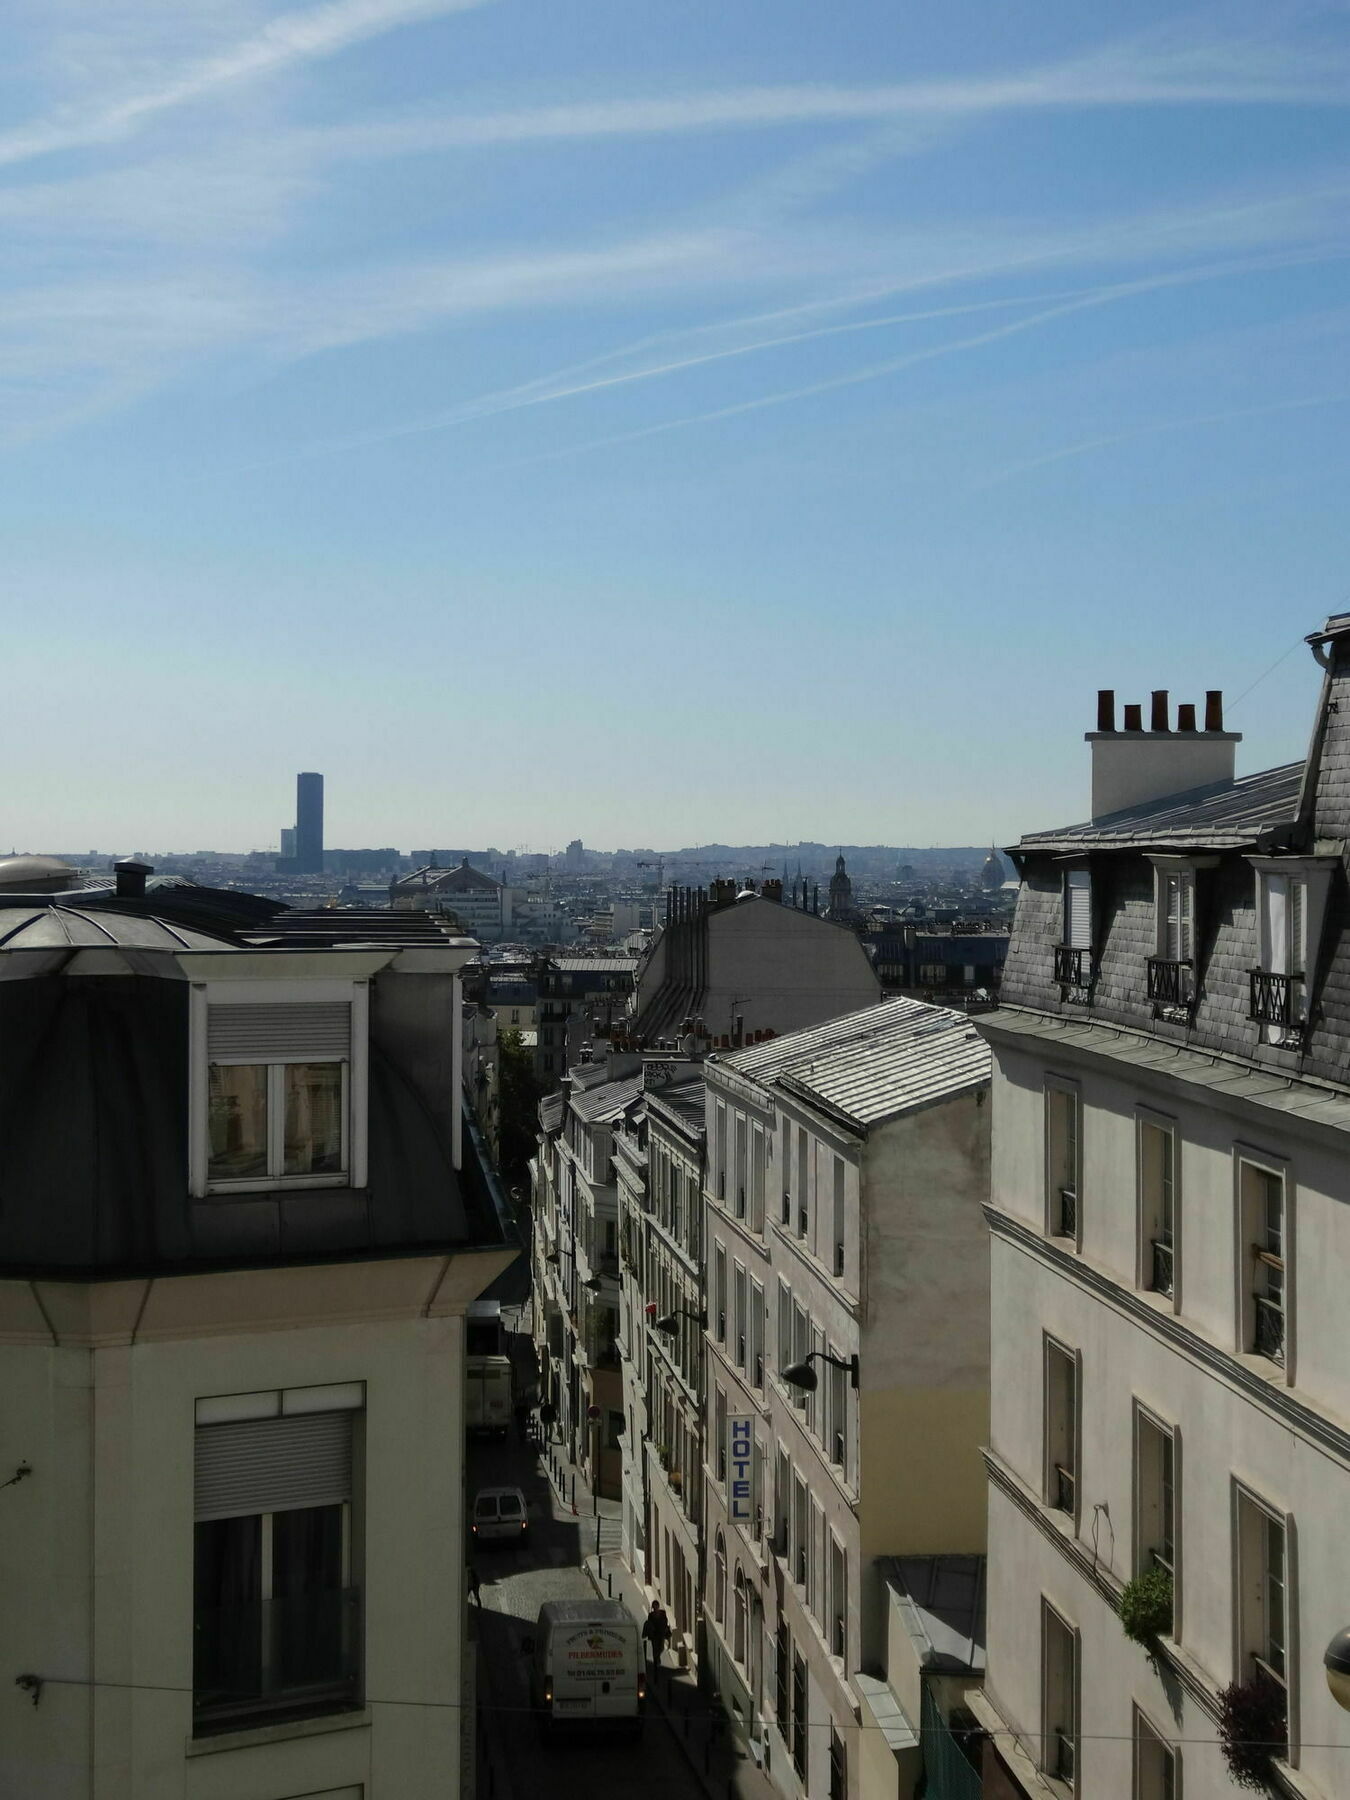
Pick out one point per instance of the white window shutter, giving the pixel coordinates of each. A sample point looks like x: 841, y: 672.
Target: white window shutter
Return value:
x: 1275, y: 924
x: 273, y: 1465
x: 279, y: 1032
x: 1078, y: 909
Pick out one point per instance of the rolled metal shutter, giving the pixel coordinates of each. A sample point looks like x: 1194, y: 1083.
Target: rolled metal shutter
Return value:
x: 279, y: 1032
x: 273, y: 1465
x: 1078, y: 909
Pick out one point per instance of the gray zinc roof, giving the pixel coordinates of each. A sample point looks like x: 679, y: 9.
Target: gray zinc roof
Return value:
x: 1221, y: 817
x: 875, y: 1064
x: 605, y: 1103
x: 62, y: 927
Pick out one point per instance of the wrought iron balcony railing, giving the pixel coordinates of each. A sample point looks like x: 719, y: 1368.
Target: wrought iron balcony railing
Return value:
x: 1273, y: 997
x: 1065, y: 1485
x: 1073, y: 965
x: 1268, y: 1338
x: 1066, y: 1219
x: 1171, y: 982
x: 1161, y: 1272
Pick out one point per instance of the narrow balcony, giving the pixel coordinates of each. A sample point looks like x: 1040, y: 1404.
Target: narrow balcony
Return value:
x: 1268, y: 1337
x: 1171, y: 982
x: 1273, y: 997
x: 1073, y: 966
x: 1161, y: 1265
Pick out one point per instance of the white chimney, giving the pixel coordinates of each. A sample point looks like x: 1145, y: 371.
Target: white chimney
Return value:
x: 1133, y: 767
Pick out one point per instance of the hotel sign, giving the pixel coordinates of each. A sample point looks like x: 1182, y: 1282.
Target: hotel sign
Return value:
x: 741, y: 1463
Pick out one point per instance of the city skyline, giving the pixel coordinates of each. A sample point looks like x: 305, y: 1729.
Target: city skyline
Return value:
x: 807, y: 410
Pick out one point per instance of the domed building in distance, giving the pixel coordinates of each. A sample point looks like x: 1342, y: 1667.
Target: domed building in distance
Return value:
x: 993, y: 874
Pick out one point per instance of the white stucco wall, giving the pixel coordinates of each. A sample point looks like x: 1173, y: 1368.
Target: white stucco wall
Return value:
x: 96, y: 1564
x: 1223, y: 1405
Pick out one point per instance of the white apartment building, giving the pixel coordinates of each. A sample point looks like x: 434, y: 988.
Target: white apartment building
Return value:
x: 1170, y: 1434
x: 659, y: 1163
x: 575, y: 1262
x: 236, y: 1248
x: 847, y: 1171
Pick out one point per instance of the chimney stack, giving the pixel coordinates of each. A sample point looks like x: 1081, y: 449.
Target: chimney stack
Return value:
x: 131, y: 877
x: 1133, y: 768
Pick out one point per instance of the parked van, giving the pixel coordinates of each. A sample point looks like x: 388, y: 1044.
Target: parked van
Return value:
x: 586, y: 1666
x: 487, y: 1393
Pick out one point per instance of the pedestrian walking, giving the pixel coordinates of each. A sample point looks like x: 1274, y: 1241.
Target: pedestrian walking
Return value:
x: 475, y: 1593
x: 656, y: 1631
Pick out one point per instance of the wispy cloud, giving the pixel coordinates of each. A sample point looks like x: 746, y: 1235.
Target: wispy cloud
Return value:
x: 291, y: 39
x: 1159, y: 428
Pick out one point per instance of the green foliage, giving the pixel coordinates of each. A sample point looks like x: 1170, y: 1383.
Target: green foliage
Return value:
x: 1146, y: 1606
x: 1252, y: 1730
x: 519, y: 1092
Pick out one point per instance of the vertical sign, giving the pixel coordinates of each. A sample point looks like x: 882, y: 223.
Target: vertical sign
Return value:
x: 741, y: 1458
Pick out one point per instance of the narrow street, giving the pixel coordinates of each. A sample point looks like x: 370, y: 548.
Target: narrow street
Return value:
x: 515, y: 1581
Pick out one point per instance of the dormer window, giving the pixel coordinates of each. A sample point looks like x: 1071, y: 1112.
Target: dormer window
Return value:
x: 1073, y: 953
x: 1291, y: 895
x: 277, y: 1086
x: 1172, y: 967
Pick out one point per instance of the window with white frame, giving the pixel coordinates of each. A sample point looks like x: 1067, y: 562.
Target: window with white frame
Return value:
x: 1073, y: 953
x: 782, y: 1503
x: 803, y: 1189
x: 1061, y: 1428
x: 1063, y: 1161
x: 721, y: 1144
x: 1157, y: 1154
x: 1264, y: 1591
x: 837, y: 1248
x: 740, y: 1173
x: 757, y: 1171
x: 1263, y: 1223
x: 836, y: 1415
x: 720, y: 1293
x: 277, y: 1085
x: 756, y: 1335
x: 1155, y: 1494
x: 276, y: 1617
x: 1172, y: 967
x: 1156, y: 1763
x: 738, y: 1314
x: 720, y: 1433
x: 801, y: 1349
x: 838, y: 1601
x: 785, y: 1356
x: 1059, y: 1697
x: 801, y: 1531
x: 1286, y: 897
x: 815, y: 1598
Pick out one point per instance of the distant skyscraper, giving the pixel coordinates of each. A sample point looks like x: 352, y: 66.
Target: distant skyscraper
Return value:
x: 288, y: 842
x: 309, y: 823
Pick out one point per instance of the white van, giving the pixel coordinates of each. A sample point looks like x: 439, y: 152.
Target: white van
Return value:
x: 586, y: 1666
x: 487, y: 1393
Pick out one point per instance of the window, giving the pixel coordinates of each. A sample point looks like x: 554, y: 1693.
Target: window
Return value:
x: 1059, y: 1697
x: 1264, y: 1590
x: 801, y: 1531
x: 799, y: 1715
x: 932, y: 975
x: 720, y: 1433
x: 782, y: 1665
x: 1171, y: 971
x: 721, y: 1151
x: 1061, y: 1428
x: 1155, y: 1763
x: 277, y: 1084
x: 784, y: 1326
x: 757, y: 1157
x: 741, y: 1175
x: 739, y: 1617
x: 836, y: 1423
x: 275, y: 1617
x: 756, y: 1335
x: 738, y: 1319
x: 801, y: 1347
x: 803, y: 1204
x: 838, y: 1262
x: 720, y: 1580
x: 782, y: 1504
x: 1073, y: 953
x: 838, y: 1601
x: 1262, y: 1251
x: 720, y: 1292
x: 1157, y: 1151
x: 815, y: 1597
x: 838, y: 1767
x: 1063, y: 1161
x: 1279, y: 987
x: 1155, y: 1508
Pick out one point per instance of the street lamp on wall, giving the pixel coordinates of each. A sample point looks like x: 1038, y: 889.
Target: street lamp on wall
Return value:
x: 1337, y: 1661
x: 802, y: 1375
x: 670, y: 1323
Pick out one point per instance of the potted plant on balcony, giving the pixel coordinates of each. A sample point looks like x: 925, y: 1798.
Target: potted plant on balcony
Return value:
x: 1252, y: 1729
x: 1146, y: 1606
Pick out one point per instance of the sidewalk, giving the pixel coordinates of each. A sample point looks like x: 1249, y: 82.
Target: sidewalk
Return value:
x: 697, y: 1720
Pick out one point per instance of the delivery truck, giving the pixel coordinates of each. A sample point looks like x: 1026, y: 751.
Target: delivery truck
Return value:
x: 586, y: 1667
x: 487, y: 1394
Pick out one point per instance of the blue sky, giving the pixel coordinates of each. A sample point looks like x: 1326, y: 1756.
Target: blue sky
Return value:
x: 656, y: 423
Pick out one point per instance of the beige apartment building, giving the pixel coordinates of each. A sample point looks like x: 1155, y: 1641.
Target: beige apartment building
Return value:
x: 237, y: 1245
x: 1169, y: 1461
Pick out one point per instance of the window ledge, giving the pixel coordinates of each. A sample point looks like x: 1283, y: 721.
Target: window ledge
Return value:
x: 275, y: 1734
